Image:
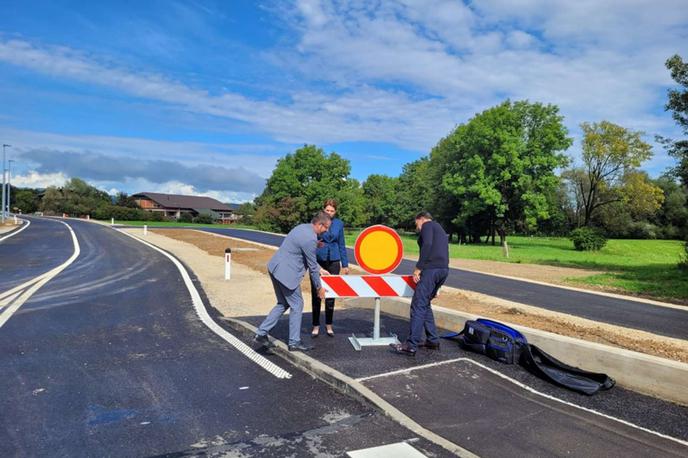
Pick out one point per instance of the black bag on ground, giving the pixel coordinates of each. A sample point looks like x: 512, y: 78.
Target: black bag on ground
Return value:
x: 549, y: 368
x: 507, y: 345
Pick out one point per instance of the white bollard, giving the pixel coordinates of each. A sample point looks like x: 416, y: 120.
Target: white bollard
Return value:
x: 145, y: 229
x: 228, y: 263
x: 16, y: 221
x: 88, y: 217
x: 112, y: 221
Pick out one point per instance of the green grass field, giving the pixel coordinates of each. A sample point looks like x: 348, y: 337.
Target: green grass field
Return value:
x: 643, y: 267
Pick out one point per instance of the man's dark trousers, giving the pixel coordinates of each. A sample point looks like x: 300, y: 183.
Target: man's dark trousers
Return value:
x: 421, y: 313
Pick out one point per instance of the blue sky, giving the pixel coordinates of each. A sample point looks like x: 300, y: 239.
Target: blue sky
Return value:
x: 204, y: 96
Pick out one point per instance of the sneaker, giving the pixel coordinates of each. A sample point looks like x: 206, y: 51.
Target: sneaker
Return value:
x: 300, y: 347
x: 403, y: 349
x: 263, y: 341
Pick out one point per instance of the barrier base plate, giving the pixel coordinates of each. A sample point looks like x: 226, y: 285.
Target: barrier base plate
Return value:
x: 359, y: 342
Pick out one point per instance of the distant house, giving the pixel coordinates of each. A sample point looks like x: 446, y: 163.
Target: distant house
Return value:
x: 174, y: 205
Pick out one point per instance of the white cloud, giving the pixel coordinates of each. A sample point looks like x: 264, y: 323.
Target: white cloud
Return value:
x: 33, y: 179
x: 407, y: 72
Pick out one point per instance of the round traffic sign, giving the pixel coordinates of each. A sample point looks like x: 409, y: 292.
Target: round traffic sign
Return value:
x: 378, y: 249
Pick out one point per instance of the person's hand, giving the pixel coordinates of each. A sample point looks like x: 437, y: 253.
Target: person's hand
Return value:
x: 345, y: 271
x: 321, y: 293
x: 416, y: 275
x: 324, y: 272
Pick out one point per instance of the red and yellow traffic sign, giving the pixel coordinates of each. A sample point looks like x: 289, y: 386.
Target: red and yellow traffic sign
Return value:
x: 378, y: 249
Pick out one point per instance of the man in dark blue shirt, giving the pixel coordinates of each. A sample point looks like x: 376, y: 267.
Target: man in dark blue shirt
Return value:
x: 430, y: 274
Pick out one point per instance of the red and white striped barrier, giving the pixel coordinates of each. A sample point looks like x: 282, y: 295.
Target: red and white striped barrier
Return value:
x: 368, y: 285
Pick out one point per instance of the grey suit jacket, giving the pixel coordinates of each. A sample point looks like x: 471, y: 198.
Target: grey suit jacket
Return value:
x: 294, y: 256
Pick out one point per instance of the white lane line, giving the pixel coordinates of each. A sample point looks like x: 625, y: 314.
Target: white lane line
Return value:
x: 202, y: 313
x: 38, y: 282
x: 8, y: 301
x: 415, y: 368
x: 532, y: 390
x: 28, y: 223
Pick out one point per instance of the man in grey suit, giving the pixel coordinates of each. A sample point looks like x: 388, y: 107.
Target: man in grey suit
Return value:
x: 287, y: 268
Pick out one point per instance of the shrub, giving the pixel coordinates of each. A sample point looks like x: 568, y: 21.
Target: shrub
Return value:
x: 204, y: 219
x: 588, y: 239
x: 185, y: 218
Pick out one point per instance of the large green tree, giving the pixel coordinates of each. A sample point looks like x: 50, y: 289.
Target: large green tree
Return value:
x: 610, y: 153
x: 415, y: 192
x: 501, y: 163
x: 677, y: 103
x: 76, y: 197
x: 380, y: 192
x: 300, y: 184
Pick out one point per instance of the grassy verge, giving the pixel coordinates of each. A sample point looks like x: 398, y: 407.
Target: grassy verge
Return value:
x: 641, y: 267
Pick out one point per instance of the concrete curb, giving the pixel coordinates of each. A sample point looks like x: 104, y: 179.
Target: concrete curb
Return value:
x: 349, y: 387
x: 652, y: 375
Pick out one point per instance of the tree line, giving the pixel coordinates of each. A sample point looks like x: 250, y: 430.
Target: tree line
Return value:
x: 502, y: 172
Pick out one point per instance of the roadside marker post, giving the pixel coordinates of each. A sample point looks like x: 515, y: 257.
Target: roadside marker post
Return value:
x: 112, y: 221
x: 16, y: 221
x: 378, y: 250
x: 88, y: 217
x: 145, y: 229
x: 228, y: 263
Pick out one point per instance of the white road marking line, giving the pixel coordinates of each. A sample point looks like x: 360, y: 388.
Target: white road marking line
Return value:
x: 202, y: 313
x: 532, y: 390
x: 8, y: 301
x: 410, y: 369
x: 35, y: 284
x: 28, y: 223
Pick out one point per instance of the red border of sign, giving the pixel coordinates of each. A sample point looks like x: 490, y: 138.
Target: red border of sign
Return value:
x: 390, y: 231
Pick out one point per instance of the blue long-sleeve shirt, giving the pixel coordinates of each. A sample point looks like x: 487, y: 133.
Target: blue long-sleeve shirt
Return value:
x: 334, y: 246
x: 434, y: 247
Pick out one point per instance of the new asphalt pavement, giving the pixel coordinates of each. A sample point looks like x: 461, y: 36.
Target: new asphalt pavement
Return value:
x: 666, y: 321
x: 110, y: 359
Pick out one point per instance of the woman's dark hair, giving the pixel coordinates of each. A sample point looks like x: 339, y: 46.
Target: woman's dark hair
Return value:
x: 330, y: 202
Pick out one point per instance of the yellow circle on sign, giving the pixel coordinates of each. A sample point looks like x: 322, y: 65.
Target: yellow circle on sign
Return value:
x: 378, y: 249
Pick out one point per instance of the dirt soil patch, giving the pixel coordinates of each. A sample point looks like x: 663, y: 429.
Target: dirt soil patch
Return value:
x: 257, y: 286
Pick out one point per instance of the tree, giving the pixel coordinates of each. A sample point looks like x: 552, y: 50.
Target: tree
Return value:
x: 500, y: 165
x: 380, y: 193
x: 677, y: 103
x: 299, y: 185
x: 610, y: 152
x: 76, y: 198
x: 672, y: 217
x: 24, y: 200
x: 122, y: 199
x: 414, y: 192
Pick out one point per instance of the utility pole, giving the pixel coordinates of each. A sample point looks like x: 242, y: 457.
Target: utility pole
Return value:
x: 2, y: 213
x: 9, y: 186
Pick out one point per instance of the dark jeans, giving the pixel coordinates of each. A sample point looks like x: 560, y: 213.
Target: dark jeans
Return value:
x: 422, y: 318
x: 332, y: 267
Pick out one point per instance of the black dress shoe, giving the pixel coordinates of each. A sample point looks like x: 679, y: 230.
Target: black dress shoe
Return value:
x: 263, y: 341
x: 430, y: 345
x: 300, y: 347
x: 402, y: 349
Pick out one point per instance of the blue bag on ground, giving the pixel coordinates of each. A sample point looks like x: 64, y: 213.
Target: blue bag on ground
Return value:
x: 505, y: 344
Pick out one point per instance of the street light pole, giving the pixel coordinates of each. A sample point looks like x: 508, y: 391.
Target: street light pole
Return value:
x: 2, y: 213
x: 9, y: 186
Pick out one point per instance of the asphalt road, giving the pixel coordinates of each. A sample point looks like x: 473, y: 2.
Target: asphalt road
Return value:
x: 670, y: 322
x: 40, y: 247
x: 109, y: 359
x: 466, y: 398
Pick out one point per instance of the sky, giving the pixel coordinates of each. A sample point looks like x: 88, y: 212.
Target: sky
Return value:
x: 203, y: 97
